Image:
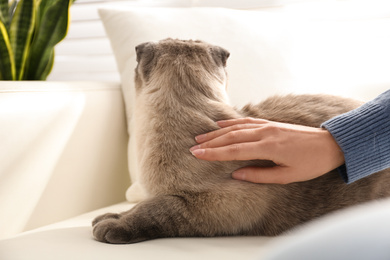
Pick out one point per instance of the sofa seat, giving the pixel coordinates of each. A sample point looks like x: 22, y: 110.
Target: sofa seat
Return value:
x: 72, y: 239
x: 360, y: 232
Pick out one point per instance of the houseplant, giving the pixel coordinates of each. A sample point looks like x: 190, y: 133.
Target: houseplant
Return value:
x: 29, y: 30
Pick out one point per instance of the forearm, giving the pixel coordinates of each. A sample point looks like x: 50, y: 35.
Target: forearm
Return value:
x: 364, y: 136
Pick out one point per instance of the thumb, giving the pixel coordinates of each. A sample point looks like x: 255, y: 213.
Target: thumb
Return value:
x: 276, y: 174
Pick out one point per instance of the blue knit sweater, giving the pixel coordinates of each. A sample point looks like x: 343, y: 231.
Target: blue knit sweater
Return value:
x: 364, y: 136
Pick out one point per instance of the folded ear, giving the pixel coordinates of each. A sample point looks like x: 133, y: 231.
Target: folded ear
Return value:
x: 144, y: 50
x: 220, y: 55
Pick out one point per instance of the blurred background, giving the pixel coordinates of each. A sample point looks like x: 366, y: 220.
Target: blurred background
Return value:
x: 86, y: 54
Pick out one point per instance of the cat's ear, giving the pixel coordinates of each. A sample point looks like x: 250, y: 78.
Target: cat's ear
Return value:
x: 144, y: 51
x: 220, y: 55
x: 145, y: 55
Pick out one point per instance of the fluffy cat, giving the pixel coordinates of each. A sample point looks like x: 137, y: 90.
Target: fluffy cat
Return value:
x: 180, y: 93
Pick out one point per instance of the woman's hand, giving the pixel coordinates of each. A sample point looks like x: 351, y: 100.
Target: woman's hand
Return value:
x: 300, y: 153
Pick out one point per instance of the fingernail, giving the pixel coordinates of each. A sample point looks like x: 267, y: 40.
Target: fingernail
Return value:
x: 239, y: 175
x: 196, y: 147
x: 197, y: 152
x: 221, y: 123
x: 200, y: 138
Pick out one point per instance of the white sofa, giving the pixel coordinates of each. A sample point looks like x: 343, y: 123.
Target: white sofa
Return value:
x: 64, y: 145
x: 65, y: 157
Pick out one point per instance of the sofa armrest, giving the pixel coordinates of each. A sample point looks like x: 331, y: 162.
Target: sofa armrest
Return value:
x: 63, y: 152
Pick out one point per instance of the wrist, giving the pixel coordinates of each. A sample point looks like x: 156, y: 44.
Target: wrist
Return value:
x: 332, y: 149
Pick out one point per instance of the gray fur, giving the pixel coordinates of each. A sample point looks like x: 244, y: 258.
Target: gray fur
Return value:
x: 180, y: 88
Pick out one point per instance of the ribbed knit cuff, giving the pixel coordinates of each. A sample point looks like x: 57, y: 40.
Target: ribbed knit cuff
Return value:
x: 363, y: 135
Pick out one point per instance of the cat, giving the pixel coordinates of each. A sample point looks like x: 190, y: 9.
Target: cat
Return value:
x: 180, y: 93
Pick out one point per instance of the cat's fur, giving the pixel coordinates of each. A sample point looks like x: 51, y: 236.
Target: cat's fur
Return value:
x: 180, y: 88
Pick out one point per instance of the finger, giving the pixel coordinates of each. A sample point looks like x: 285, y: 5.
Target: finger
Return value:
x: 276, y: 175
x: 240, y: 151
x: 232, y: 137
x: 244, y: 120
x: 217, y: 133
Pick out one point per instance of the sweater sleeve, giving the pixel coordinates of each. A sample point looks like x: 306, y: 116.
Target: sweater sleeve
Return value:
x: 364, y: 136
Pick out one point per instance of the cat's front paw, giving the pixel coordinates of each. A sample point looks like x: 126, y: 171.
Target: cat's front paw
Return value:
x: 104, y: 217
x: 112, y: 231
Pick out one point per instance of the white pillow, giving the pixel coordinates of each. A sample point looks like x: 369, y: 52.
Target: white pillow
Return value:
x: 271, y: 52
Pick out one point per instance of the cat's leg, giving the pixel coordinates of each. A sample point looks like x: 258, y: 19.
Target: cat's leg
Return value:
x: 161, y: 216
x: 229, y: 211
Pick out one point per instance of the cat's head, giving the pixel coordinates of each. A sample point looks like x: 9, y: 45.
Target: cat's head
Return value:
x: 183, y: 67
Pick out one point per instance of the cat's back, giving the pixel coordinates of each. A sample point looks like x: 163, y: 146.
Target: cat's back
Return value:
x: 309, y: 109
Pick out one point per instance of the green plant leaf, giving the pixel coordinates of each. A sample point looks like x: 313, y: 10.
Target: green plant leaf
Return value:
x: 21, y: 30
x: 53, y: 16
x: 42, y: 5
x: 11, y: 8
x: 7, y: 68
x: 49, y: 65
x: 4, y: 15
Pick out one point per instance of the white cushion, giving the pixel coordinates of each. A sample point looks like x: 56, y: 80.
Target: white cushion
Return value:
x: 340, y: 52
